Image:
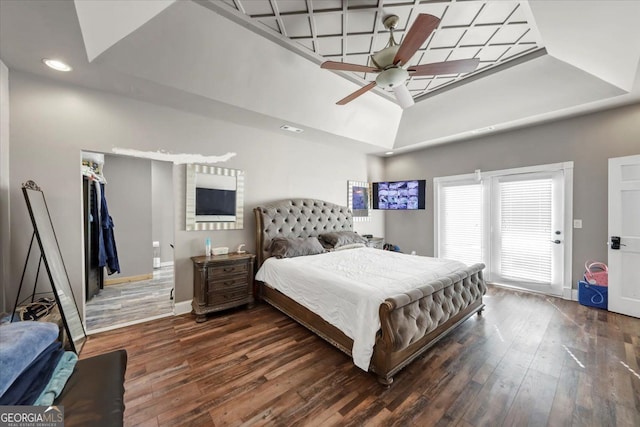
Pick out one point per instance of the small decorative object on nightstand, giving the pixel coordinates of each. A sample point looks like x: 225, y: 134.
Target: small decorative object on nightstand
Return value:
x: 221, y: 282
x: 375, y: 242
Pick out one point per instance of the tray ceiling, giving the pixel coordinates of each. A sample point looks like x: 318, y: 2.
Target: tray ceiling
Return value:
x: 257, y: 62
x: 351, y: 31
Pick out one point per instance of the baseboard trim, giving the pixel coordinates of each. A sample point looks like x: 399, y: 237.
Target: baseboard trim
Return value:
x: 574, y: 295
x: 128, y: 279
x: 182, y: 307
x: 570, y: 294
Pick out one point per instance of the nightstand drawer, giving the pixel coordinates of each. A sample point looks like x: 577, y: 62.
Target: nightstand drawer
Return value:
x: 228, y: 296
x: 218, y: 271
x: 219, y: 283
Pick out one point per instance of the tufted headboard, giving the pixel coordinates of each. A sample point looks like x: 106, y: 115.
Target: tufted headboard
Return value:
x: 297, y: 218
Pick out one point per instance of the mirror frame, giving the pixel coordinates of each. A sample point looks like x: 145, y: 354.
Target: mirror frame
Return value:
x: 192, y: 171
x: 54, y: 265
x: 359, y: 214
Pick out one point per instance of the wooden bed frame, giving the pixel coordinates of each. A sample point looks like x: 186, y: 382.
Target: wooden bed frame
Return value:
x: 460, y: 293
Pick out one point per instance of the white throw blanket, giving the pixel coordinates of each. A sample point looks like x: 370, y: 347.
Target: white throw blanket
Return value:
x: 346, y: 287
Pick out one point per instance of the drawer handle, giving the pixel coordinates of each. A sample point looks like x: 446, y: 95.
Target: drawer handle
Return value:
x: 228, y: 269
x: 229, y: 282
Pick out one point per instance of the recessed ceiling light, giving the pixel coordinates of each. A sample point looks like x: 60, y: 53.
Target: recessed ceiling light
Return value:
x: 483, y: 130
x: 291, y: 128
x: 56, y: 64
x: 388, y: 153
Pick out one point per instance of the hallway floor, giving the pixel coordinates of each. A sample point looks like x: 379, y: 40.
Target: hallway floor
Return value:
x: 129, y: 302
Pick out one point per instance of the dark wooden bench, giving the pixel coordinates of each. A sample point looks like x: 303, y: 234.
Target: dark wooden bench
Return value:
x: 94, y: 394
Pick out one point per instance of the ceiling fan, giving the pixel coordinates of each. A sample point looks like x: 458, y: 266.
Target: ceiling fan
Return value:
x: 389, y: 61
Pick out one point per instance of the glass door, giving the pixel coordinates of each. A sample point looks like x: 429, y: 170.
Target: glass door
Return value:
x: 527, y: 231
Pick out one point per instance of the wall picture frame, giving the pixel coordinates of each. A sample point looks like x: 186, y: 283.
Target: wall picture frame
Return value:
x: 359, y: 200
x: 204, y: 178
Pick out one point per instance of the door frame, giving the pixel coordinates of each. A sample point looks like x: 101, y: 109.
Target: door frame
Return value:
x: 556, y: 285
x: 478, y: 175
x: 616, y: 186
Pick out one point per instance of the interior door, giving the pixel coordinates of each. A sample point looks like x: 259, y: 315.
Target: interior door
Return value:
x: 624, y: 235
x: 527, y: 231
x: 94, y: 279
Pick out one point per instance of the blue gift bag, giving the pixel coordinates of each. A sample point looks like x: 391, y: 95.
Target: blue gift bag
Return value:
x: 593, y: 295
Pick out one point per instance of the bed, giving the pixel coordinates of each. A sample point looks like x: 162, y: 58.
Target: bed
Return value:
x: 425, y: 301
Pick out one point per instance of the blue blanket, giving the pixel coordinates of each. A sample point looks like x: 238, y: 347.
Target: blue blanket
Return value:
x: 20, y: 344
x: 32, y: 381
x: 58, y: 380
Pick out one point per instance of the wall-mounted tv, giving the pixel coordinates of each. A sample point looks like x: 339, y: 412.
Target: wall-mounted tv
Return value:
x: 213, y: 204
x: 399, y: 195
x: 215, y: 198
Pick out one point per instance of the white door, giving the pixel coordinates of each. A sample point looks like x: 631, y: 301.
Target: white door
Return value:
x: 527, y: 232
x: 624, y: 223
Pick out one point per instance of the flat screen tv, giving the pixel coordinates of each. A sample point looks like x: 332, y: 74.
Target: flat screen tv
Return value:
x: 399, y: 195
x: 214, y: 204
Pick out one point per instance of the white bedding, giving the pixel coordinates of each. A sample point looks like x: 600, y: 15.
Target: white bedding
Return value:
x: 346, y: 287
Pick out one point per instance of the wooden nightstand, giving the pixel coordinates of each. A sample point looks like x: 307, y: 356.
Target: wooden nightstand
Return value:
x: 221, y: 282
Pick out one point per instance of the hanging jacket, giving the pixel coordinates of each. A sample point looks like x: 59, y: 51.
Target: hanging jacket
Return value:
x: 107, y: 253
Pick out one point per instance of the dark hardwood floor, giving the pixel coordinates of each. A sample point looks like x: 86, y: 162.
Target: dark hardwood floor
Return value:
x: 528, y: 360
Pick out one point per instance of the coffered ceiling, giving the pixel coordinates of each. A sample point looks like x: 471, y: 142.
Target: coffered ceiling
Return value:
x: 257, y: 62
x: 496, y: 32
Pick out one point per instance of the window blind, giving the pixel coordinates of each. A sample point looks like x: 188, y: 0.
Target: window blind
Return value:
x: 526, y: 230
x: 460, y: 225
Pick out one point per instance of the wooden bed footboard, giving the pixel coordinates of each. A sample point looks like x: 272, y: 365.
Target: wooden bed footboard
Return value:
x: 412, y: 322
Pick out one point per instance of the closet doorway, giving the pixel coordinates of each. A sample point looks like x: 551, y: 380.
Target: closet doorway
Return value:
x: 138, y: 195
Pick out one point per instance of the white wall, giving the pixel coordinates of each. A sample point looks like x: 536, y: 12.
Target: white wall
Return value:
x: 52, y: 123
x: 588, y: 141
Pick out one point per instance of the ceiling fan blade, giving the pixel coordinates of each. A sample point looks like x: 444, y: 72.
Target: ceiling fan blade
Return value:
x: 447, y: 67
x: 357, y: 93
x: 403, y: 96
x: 344, y: 66
x: 422, y: 27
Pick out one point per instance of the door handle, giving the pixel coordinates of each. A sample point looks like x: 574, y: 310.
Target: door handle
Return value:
x: 615, y: 242
x: 557, y: 242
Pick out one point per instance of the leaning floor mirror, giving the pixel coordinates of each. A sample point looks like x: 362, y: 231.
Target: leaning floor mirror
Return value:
x: 52, y: 259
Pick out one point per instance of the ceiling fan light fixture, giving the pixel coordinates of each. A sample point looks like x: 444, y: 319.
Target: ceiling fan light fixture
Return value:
x: 389, y: 62
x: 405, y: 100
x: 392, y: 77
x: 385, y: 57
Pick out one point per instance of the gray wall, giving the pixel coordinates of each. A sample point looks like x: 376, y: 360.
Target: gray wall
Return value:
x: 588, y: 141
x: 51, y: 123
x: 128, y: 193
x: 162, y: 223
x: 4, y: 184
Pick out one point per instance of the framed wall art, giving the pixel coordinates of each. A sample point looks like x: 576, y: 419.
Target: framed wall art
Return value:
x: 359, y: 200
